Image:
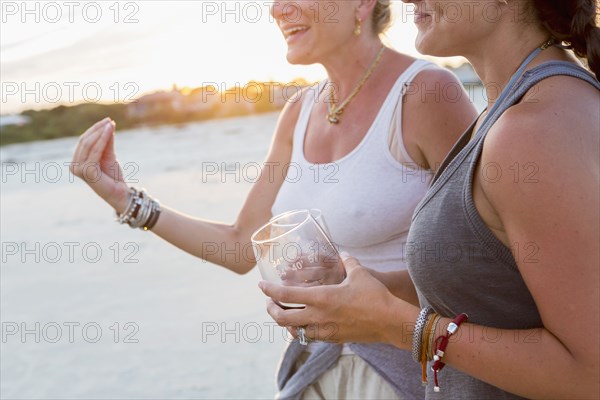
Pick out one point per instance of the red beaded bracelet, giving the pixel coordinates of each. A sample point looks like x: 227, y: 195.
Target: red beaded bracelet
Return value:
x: 440, y: 345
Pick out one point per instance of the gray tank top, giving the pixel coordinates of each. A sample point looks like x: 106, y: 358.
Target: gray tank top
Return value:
x: 457, y: 263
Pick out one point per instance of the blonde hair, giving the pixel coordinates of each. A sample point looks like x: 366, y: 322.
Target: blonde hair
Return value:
x: 382, y: 16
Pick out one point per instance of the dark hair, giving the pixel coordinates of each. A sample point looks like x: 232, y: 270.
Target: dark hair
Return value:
x: 574, y: 23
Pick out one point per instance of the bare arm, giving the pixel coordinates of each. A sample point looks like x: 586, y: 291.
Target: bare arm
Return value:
x: 558, y: 213
x: 216, y: 242
x: 399, y: 284
x: 211, y: 241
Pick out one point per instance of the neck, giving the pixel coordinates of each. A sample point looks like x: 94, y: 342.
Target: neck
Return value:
x: 348, y: 65
x: 501, y: 57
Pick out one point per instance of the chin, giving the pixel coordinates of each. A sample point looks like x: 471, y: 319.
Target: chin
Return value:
x: 296, y: 58
x: 427, y: 45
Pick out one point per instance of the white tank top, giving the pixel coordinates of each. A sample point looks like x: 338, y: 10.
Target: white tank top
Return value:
x: 367, y: 197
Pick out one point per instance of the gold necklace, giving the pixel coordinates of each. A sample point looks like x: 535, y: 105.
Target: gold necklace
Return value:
x: 333, y: 116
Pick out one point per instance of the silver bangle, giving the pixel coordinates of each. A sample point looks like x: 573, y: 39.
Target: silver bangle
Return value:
x: 126, y: 215
x: 418, y: 332
x: 142, y: 210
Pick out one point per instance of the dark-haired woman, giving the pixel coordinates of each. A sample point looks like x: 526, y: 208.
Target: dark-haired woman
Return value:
x: 503, y: 250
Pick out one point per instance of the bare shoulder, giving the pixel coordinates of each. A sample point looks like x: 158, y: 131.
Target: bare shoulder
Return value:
x: 437, y: 98
x: 437, y: 76
x: 437, y: 111
x: 546, y: 147
x: 563, y: 99
x: 559, y: 118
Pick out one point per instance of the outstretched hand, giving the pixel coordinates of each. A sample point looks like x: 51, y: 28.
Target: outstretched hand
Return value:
x: 357, y: 310
x: 95, y: 162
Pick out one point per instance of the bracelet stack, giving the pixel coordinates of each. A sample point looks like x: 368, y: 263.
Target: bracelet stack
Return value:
x: 425, y: 348
x: 142, y: 210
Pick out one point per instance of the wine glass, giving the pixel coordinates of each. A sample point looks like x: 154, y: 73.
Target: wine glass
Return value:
x: 293, y: 249
x: 294, y: 217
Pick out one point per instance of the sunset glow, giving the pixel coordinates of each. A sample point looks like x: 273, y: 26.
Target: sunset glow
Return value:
x: 67, y: 52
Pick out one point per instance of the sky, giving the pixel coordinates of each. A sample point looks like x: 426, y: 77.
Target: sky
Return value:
x: 66, y: 52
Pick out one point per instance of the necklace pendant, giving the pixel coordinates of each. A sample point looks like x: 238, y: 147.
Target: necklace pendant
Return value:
x: 333, y: 119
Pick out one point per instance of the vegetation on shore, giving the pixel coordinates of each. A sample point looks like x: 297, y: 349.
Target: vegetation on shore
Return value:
x: 160, y: 108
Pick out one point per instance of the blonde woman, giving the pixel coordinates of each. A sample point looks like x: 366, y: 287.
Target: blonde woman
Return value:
x: 376, y: 146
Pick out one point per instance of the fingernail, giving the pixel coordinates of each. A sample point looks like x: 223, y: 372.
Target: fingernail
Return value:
x: 260, y: 284
x: 344, y: 255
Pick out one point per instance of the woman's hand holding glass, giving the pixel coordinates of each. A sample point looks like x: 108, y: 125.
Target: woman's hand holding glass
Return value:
x: 360, y: 309
x: 293, y: 249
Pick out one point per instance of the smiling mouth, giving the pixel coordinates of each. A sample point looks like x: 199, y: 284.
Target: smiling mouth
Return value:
x: 291, y: 32
x: 421, y: 17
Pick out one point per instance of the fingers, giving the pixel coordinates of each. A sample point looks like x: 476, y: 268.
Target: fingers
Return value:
x: 95, y: 127
x: 100, y: 145
x: 350, y: 263
x: 89, y: 131
x: 287, y: 318
x: 90, y: 138
x: 85, y: 144
x: 83, y: 139
x: 292, y: 294
x: 111, y: 142
x: 292, y: 319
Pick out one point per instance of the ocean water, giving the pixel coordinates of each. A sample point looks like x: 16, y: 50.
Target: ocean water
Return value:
x: 94, y: 310
x: 91, y: 309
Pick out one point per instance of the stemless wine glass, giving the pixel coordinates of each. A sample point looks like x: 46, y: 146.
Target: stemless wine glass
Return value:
x: 293, y: 249
x: 294, y: 217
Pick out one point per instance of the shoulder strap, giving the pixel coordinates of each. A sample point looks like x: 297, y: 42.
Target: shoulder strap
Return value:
x: 533, y: 77
x: 308, y: 99
x: 529, y: 79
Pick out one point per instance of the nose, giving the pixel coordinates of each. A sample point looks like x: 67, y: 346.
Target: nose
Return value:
x: 276, y: 9
x: 282, y: 9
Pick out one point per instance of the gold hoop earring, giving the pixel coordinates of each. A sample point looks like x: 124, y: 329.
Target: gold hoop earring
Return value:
x: 358, y: 27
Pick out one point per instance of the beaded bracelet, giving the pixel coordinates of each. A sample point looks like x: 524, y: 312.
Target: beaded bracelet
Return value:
x: 440, y: 347
x: 127, y: 214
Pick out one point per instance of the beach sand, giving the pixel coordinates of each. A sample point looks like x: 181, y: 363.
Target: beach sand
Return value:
x: 120, y: 313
